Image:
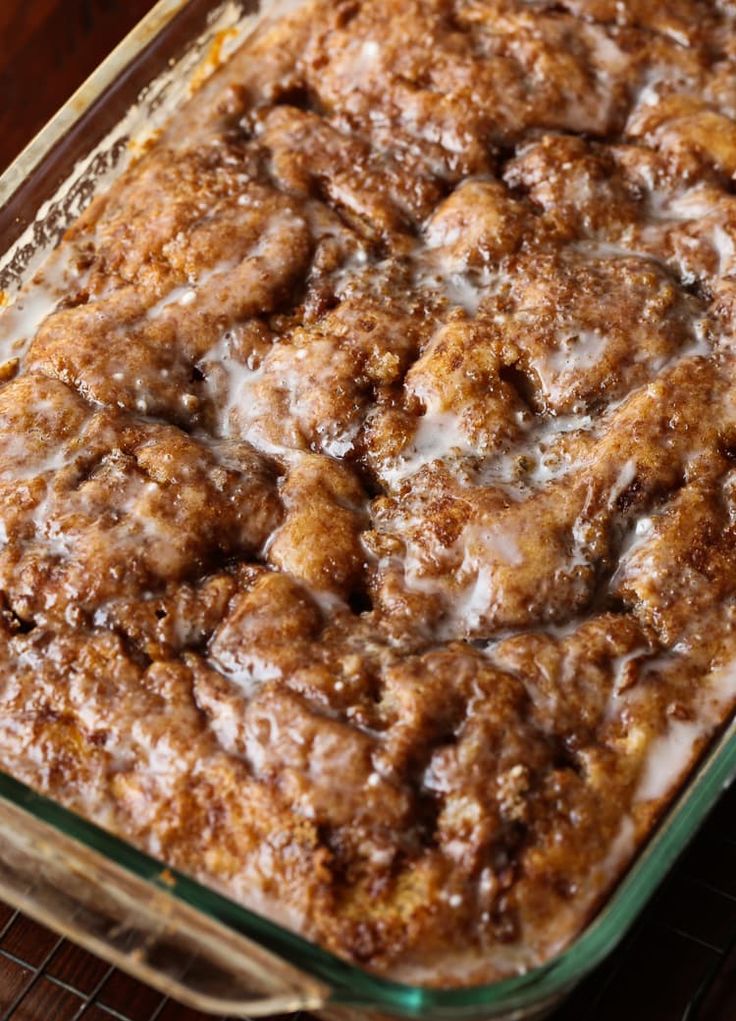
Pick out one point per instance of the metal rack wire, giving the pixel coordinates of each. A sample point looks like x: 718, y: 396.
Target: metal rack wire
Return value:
x: 667, y: 970
x: 43, y: 977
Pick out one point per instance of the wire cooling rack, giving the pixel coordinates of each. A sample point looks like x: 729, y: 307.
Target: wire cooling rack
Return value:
x: 46, y: 978
x: 678, y: 965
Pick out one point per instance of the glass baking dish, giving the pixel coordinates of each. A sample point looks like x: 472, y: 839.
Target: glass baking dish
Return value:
x: 161, y: 926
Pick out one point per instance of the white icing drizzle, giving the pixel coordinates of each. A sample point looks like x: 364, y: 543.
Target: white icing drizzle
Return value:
x: 230, y: 382
x: 626, y: 475
x: 26, y: 467
x: 248, y: 673
x: 20, y: 322
x: 438, y: 437
x: 576, y: 352
x: 725, y: 248
x: 185, y: 294
x: 670, y: 754
x: 463, y: 288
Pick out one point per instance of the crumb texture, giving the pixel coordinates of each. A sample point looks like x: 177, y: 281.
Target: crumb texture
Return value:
x: 368, y: 474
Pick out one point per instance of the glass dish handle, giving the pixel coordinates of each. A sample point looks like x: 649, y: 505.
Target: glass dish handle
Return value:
x: 134, y: 923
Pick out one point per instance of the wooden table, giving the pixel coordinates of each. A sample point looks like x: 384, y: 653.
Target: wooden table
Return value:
x: 47, y: 47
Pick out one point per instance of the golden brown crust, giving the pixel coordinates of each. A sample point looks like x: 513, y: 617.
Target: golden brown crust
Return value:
x: 367, y: 502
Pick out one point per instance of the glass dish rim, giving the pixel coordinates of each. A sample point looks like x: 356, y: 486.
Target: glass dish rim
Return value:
x: 350, y: 984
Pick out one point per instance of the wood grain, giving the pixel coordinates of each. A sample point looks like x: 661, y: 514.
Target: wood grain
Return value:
x: 47, y: 49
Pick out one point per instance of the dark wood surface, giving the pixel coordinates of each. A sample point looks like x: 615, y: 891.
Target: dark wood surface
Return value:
x: 47, y: 48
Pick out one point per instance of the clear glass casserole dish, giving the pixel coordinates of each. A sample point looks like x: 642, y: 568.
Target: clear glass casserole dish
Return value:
x: 159, y: 925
